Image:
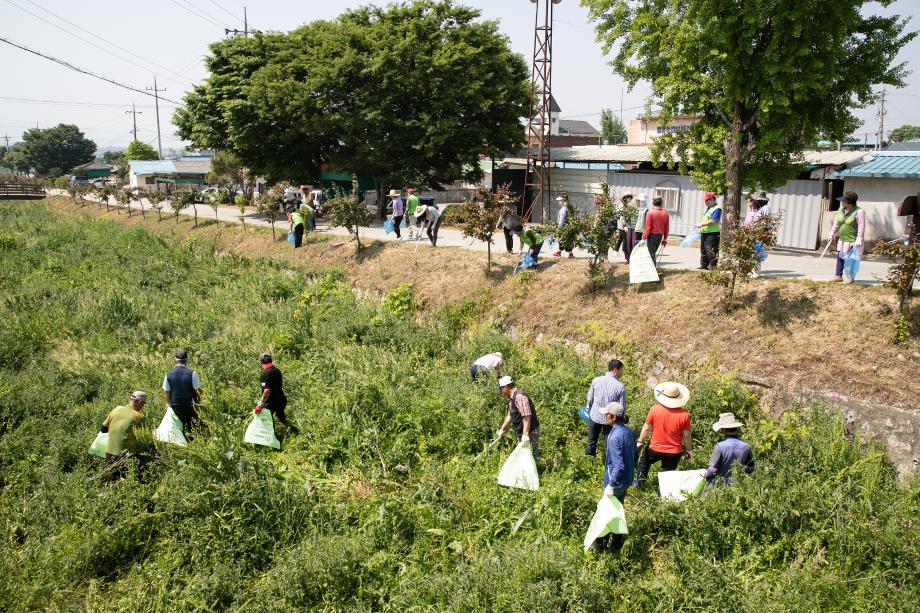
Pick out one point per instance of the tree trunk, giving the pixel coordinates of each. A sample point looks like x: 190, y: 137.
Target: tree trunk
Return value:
x: 140, y: 203
x: 381, y: 201
x: 195, y: 213
x: 129, y: 208
x: 488, y: 256
x: 272, y: 220
x: 731, y: 208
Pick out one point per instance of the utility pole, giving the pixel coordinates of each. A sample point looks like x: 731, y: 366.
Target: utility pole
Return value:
x: 6, y: 137
x: 156, y: 98
x: 621, y: 112
x: 881, y: 119
x: 135, y: 113
x: 245, y: 31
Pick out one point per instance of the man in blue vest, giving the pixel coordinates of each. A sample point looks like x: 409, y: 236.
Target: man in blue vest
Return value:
x: 183, y: 389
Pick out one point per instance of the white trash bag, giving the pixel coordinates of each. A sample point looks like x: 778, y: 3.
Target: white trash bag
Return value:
x: 641, y: 265
x: 261, y: 430
x: 678, y: 485
x: 100, y: 443
x: 520, y: 469
x: 170, y: 429
x: 610, y: 518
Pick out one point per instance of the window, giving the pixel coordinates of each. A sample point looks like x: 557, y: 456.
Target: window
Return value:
x: 150, y: 180
x: 671, y: 198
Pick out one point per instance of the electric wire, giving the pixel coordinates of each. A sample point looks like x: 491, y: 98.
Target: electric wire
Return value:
x: 191, y: 9
x: 78, y: 103
x: 223, y: 9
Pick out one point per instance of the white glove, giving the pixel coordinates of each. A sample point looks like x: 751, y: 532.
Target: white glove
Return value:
x: 858, y: 242
x: 499, y: 433
x: 525, y: 438
x: 608, y: 491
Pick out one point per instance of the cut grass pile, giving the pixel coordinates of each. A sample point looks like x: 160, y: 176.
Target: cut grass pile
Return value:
x: 378, y: 505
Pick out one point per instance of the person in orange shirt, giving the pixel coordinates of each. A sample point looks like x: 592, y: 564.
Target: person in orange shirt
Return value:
x: 669, y: 425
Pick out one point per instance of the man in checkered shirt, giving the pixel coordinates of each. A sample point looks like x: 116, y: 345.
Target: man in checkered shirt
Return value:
x: 522, y: 415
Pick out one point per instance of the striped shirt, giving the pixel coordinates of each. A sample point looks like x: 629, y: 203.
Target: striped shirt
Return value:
x: 604, y: 390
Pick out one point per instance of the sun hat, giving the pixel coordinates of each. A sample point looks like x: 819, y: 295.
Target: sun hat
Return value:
x: 709, y: 196
x: 562, y: 197
x: 420, y: 210
x: 761, y: 195
x: 181, y: 354
x: 628, y: 195
x: 850, y: 197
x: 672, y: 395
x: 394, y: 193
x: 139, y: 395
x: 614, y: 408
x: 265, y: 357
x: 726, y: 421
x: 643, y: 199
x: 505, y: 381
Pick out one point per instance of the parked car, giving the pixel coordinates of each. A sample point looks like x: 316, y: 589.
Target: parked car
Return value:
x: 103, y: 182
x: 79, y: 180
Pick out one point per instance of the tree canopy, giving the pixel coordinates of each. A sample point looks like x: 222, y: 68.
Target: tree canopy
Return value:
x: 138, y: 150
x: 56, y: 150
x: 408, y: 93
x: 612, y: 129
x: 767, y: 76
x: 904, y: 133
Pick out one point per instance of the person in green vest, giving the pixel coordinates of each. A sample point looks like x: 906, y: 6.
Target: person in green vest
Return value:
x: 120, y: 425
x: 533, y: 240
x: 710, y: 232
x: 298, y: 222
x: 849, y: 228
x: 412, y: 203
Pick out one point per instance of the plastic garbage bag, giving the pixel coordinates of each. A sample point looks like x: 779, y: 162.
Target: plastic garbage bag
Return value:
x: 678, y: 485
x: 100, y: 443
x: 529, y: 262
x: 520, y: 469
x: 389, y: 226
x: 291, y: 238
x: 585, y: 414
x: 691, y: 238
x: 261, y: 430
x: 170, y: 429
x: 641, y: 265
x: 852, y: 262
x: 761, y: 252
x: 610, y: 518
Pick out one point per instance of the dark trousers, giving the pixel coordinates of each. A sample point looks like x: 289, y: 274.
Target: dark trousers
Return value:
x: 650, y: 456
x: 613, y: 542
x: 509, y: 238
x: 474, y: 371
x: 535, y: 252
x: 840, y: 264
x: 432, y: 232
x: 188, y: 416
x: 653, y: 243
x: 277, y: 411
x: 628, y: 241
x: 298, y: 235
x: 709, y: 250
x: 594, y: 431
x: 397, y: 221
x: 311, y: 220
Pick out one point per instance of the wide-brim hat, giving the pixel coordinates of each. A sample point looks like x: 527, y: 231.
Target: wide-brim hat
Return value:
x: 671, y: 394
x: 727, y: 421
x: 628, y: 195
x: 394, y: 193
x: 420, y: 210
x: 761, y: 195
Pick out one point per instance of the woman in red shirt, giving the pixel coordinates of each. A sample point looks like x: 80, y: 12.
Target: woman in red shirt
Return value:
x: 669, y: 425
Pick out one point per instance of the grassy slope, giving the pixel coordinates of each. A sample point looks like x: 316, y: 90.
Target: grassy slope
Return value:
x: 377, y: 505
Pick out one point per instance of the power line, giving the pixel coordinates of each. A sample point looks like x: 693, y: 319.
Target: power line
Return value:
x: 81, y: 70
x: 75, y: 103
x: 191, y: 9
x: 77, y: 36
x: 223, y: 9
x: 108, y: 42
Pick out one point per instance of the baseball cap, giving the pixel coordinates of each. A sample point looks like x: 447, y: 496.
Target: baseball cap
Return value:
x: 505, y: 381
x: 850, y: 197
x: 265, y: 357
x: 614, y: 408
x: 139, y: 396
x: 709, y: 196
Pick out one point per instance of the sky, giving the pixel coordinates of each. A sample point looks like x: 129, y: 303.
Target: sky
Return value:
x: 133, y: 42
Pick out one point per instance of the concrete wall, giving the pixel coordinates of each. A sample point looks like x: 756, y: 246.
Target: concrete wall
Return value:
x: 880, y: 198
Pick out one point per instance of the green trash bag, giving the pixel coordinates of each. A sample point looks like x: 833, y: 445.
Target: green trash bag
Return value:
x: 520, y: 469
x: 100, y: 443
x: 610, y: 518
x: 678, y: 485
x: 170, y: 429
x: 261, y: 430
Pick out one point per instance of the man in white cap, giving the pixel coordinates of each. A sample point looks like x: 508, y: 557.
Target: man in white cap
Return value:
x: 492, y: 362
x: 619, y: 462
x: 728, y: 451
x: 669, y: 425
x: 522, y: 416
x: 429, y: 218
x: 120, y: 425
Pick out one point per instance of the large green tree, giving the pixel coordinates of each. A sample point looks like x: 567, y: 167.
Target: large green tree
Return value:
x: 57, y: 149
x: 612, y: 129
x: 138, y: 150
x: 409, y: 93
x: 767, y: 76
x: 904, y: 133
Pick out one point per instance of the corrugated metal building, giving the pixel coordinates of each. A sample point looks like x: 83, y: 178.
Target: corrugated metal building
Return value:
x: 882, y: 183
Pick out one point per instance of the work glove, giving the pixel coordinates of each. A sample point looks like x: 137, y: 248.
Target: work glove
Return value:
x: 608, y: 491
x: 525, y: 438
x: 859, y: 242
x: 499, y: 433
x: 258, y: 408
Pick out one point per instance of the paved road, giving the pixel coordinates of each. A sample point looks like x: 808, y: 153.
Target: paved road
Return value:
x: 782, y: 263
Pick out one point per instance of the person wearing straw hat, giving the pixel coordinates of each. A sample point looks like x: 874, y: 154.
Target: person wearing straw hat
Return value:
x: 399, y: 210
x: 728, y: 451
x: 668, y: 422
x: 522, y: 415
x: 120, y: 425
x: 429, y: 219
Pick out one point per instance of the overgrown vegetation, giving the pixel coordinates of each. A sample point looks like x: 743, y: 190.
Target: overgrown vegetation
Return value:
x: 901, y: 276
x: 377, y: 504
x: 479, y: 216
x: 740, y: 256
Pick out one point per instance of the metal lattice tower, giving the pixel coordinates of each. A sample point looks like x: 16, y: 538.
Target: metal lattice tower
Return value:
x: 537, y: 184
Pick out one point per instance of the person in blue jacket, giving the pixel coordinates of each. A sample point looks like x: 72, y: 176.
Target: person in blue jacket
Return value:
x: 619, y: 464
